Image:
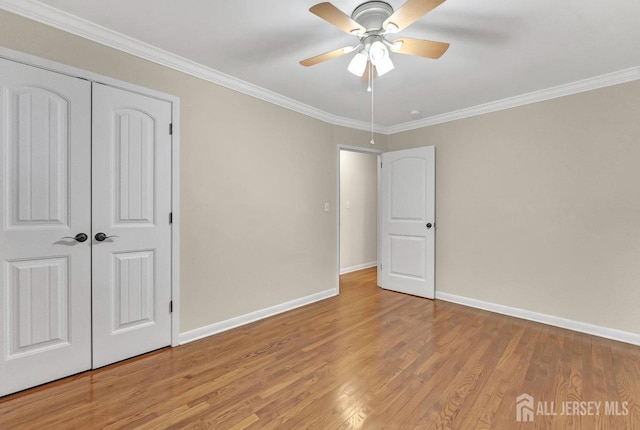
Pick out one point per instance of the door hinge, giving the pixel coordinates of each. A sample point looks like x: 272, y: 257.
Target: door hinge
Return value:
x: 170, y: 217
x: 171, y: 306
x: 381, y: 164
x: 171, y: 128
x: 380, y: 266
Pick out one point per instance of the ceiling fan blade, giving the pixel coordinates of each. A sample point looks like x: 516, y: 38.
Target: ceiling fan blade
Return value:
x: 409, y: 13
x: 327, y: 56
x: 422, y: 48
x: 335, y: 16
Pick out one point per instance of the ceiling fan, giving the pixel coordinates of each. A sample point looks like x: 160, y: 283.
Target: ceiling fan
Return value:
x: 371, y: 22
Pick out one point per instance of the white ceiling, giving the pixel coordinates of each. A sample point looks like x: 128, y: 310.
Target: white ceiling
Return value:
x: 499, y: 48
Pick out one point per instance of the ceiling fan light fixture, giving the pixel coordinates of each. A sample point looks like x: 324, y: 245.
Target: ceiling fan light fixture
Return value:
x: 358, y: 64
x: 385, y: 65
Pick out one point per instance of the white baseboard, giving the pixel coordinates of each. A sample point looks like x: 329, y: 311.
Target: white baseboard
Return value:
x: 209, y: 330
x: 608, y: 333
x: 358, y: 267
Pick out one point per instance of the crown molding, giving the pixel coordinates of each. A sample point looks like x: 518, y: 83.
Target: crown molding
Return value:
x: 620, y: 77
x: 53, y: 17
x: 86, y: 29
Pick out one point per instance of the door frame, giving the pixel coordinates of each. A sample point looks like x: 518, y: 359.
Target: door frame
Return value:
x: 365, y: 150
x: 31, y: 60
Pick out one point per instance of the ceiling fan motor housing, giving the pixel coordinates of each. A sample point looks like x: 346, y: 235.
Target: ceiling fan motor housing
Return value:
x: 371, y: 15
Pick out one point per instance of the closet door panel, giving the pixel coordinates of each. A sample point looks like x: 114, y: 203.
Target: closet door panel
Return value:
x: 131, y: 205
x: 45, y: 196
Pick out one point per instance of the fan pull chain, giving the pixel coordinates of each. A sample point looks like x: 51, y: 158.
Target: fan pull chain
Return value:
x: 371, y: 85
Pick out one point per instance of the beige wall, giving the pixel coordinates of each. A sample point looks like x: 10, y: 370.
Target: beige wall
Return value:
x: 254, y: 181
x: 538, y: 207
x: 358, y: 209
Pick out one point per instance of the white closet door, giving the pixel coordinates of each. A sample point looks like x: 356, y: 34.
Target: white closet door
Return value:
x: 407, y: 212
x: 131, y: 205
x: 45, y: 294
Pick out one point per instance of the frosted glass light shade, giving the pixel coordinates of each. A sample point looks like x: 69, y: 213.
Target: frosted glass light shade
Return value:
x: 384, y: 66
x: 358, y: 64
x: 378, y: 52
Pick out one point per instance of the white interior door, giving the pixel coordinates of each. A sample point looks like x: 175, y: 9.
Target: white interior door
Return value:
x: 45, y: 299
x: 131, y: 269
x: 407, y: 207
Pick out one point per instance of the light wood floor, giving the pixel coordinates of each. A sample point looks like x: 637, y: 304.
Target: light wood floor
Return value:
x: 368, y: 358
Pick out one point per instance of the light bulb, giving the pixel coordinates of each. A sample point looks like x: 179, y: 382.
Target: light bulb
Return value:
x: 358, y: 64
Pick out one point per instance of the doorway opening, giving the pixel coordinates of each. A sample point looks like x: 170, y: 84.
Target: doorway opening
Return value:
x: 358, y: 190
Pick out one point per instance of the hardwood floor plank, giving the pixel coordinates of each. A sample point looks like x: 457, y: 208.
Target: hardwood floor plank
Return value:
x: 368, y: 358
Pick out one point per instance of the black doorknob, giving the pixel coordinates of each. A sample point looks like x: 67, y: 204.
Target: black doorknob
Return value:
x: 101, y: 236
x: 80, y: 237
x: 429, y: 225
